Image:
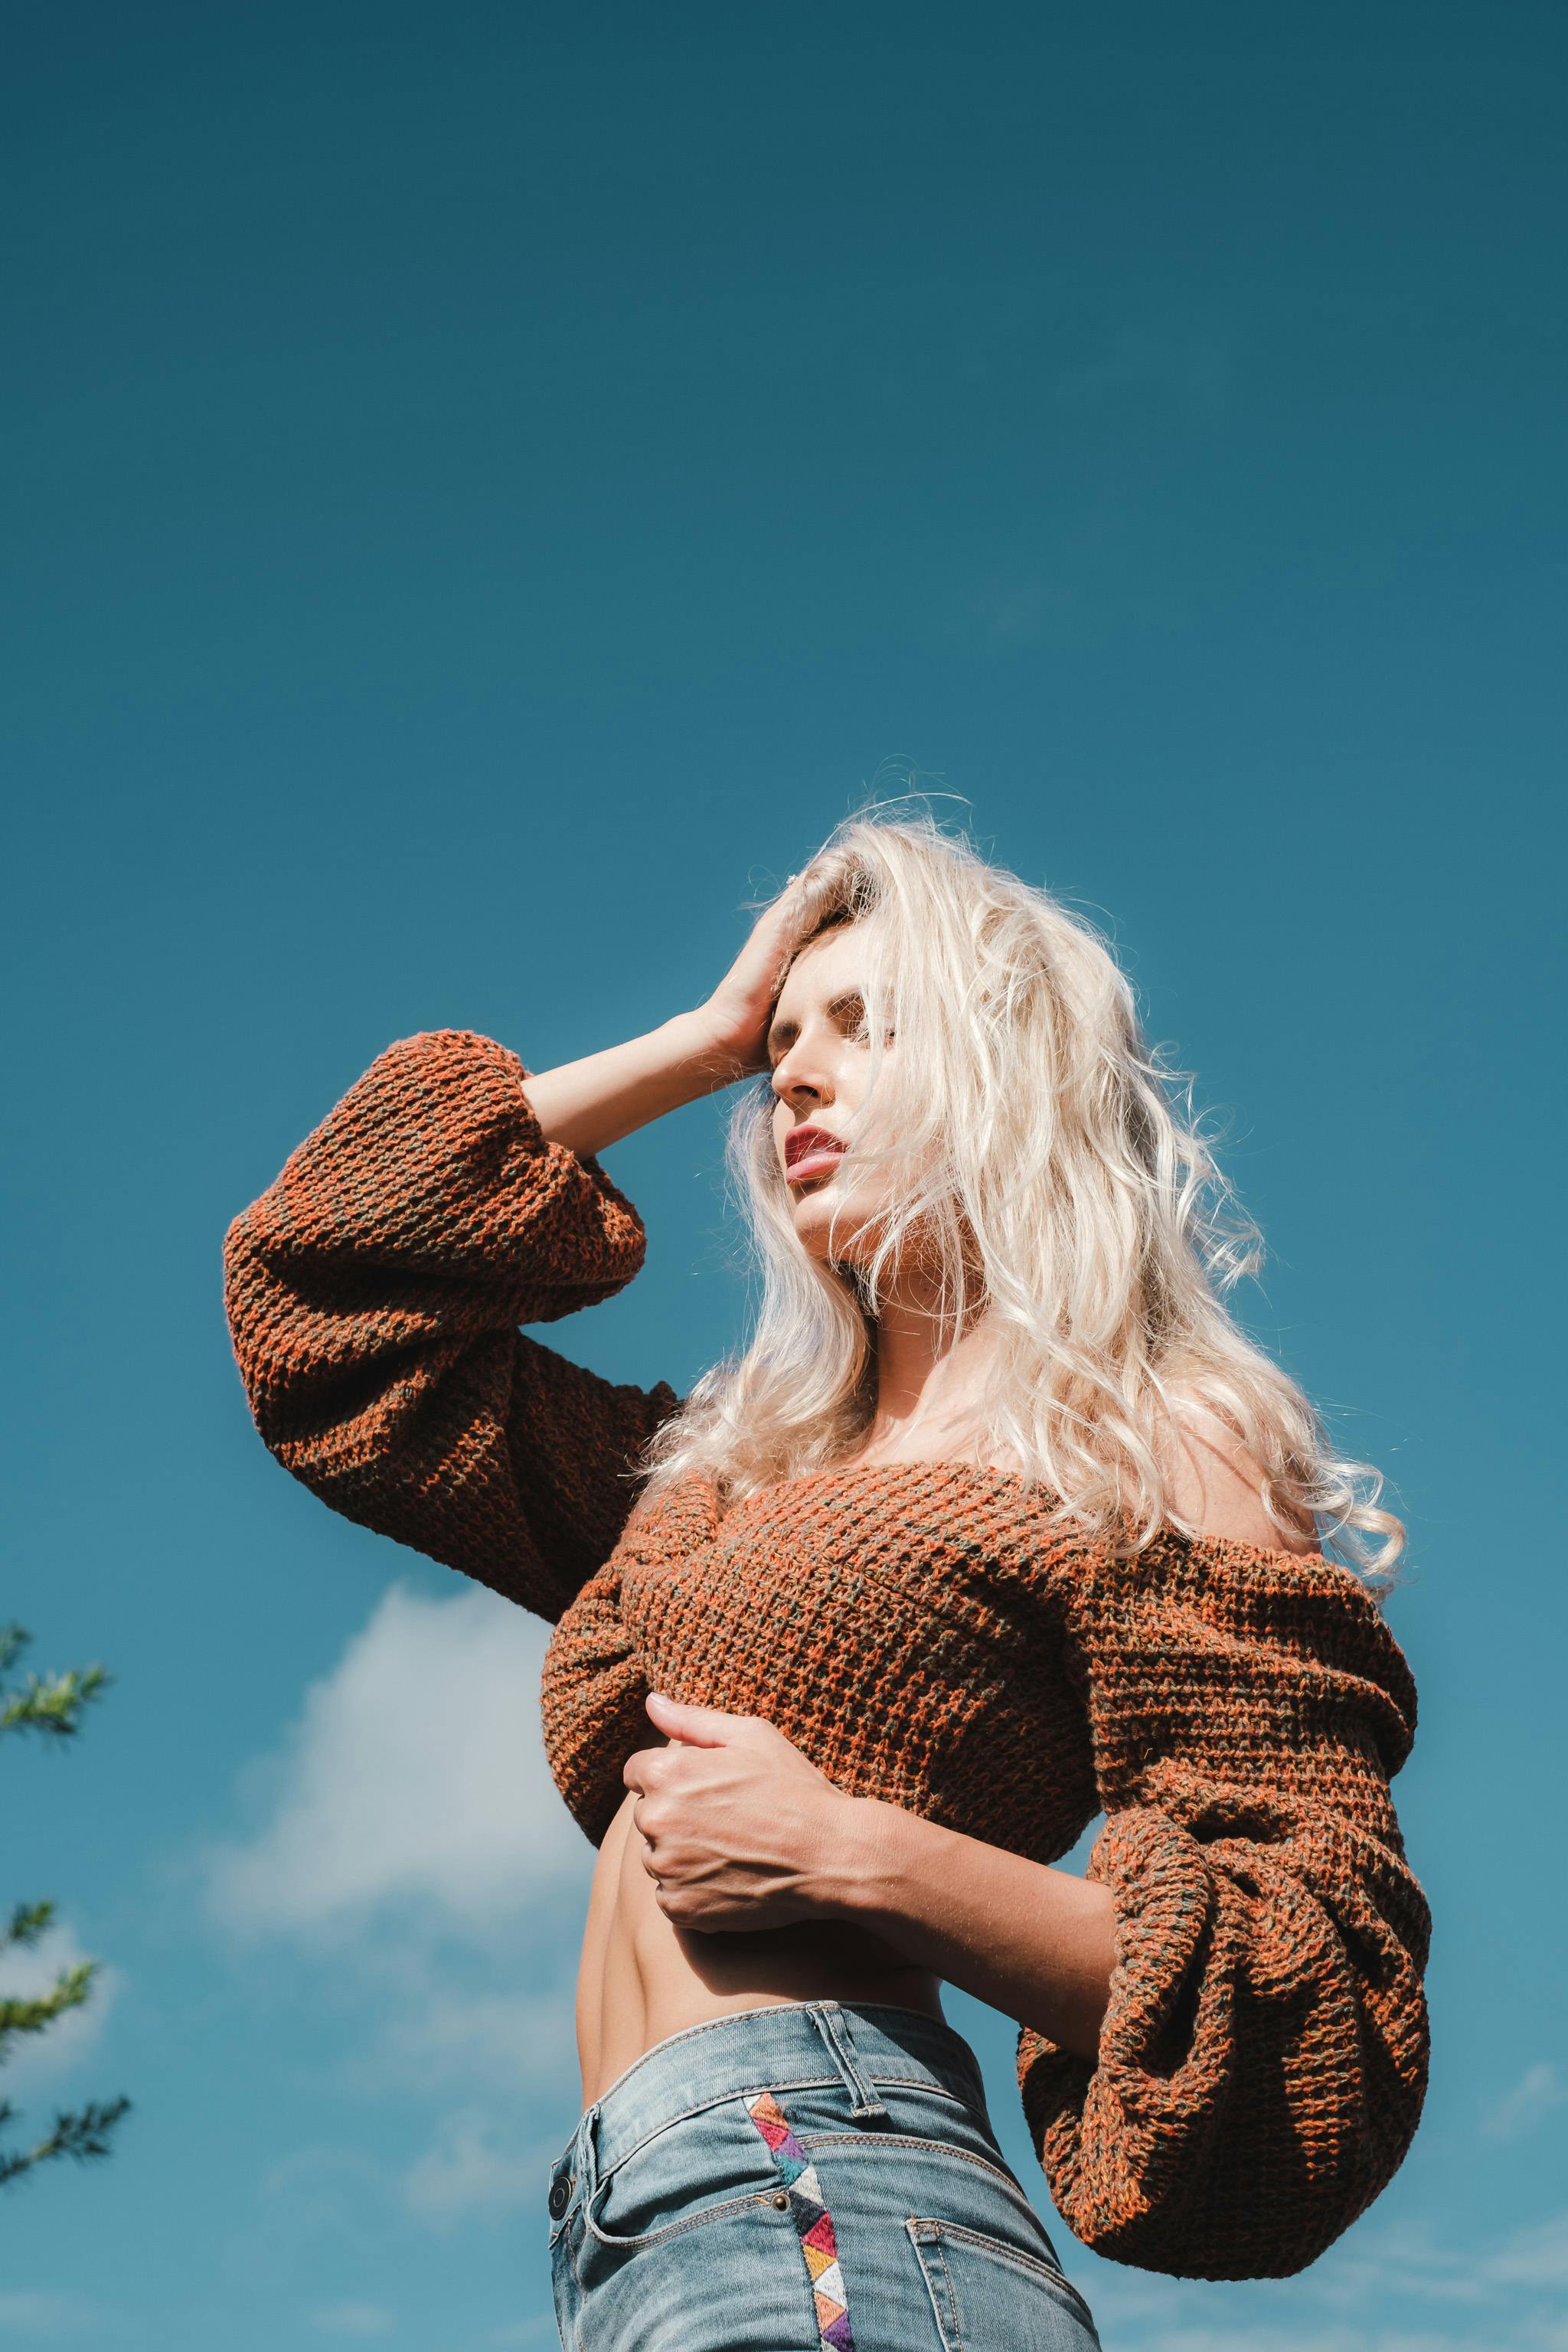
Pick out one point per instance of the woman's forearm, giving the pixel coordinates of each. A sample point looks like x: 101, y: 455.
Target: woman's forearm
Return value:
x: 592, y: 1103
x: 1035, y: 1943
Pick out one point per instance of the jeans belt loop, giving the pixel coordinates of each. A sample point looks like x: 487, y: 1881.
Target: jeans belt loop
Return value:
x: 586, y: 2160
x: 834, y: 2027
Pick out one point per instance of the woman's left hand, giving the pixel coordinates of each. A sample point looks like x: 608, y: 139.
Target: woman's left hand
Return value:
x: 740, y: 1830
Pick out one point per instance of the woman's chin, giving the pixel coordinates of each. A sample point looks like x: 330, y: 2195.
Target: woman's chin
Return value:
x: 820, y: 1239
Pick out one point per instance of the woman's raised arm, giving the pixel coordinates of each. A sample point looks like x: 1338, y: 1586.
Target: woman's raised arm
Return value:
x: 590, y: 1104
x: 376, y: 1289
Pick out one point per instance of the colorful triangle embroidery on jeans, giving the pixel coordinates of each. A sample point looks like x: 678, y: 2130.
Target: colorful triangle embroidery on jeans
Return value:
x: 813, y: 2221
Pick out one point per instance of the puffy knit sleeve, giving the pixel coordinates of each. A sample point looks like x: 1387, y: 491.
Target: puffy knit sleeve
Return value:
x: 1263, y: 2058
x: 374, y: 1295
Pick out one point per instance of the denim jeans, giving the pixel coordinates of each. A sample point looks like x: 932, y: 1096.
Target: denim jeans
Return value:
x: 807, y: 2175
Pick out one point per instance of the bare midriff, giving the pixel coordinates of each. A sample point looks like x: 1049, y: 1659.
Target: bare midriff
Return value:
x: 643, y: 1979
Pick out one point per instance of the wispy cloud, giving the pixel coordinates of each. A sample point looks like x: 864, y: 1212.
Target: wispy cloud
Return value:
x: 437, y: 2038
x: 1538, y: 2092
x: 415, y: 1775
x: 407, y: 1838
x: 1399, y: 2289
x: 470, y: 2167
x: 1537, y: 2256
x: 311, y: 2172
x: 43, y: 2058
x: 351, y: 2319
x: 52, y: 2312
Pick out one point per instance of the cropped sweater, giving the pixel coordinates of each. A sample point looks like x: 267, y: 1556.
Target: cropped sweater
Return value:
x: 920, y: 1632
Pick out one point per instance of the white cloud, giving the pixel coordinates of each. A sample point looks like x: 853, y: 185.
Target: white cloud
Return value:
x: 351, y: 2319
x: 468, y: 2169
x: 415, y: 1775
x: 1534, y: 2256
x: 512, y: 2041
x: 311, y: 2174
x: 1539, y: 2090
x: 408, y: 1840
x: 1398, y: 2288
x: 1306, y: 2333
x: 51, y: 2312
x: 26, y: 1971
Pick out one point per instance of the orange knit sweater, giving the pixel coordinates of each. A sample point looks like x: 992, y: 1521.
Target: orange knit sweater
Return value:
x: 919, y: 1632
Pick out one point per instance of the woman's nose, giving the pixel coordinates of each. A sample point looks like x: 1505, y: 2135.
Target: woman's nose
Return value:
x: 802, y: 1076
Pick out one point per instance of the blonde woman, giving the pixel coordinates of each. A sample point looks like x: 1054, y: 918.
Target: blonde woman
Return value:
x: 996, y: 1521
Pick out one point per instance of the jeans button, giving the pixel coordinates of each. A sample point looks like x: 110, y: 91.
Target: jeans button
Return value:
x: 559, y: 2196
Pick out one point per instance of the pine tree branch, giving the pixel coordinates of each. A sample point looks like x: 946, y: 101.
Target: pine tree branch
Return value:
x: 69, y: 1989
x: 53, y: 1703
x: 28, y: 1923
x: 80, y: 2135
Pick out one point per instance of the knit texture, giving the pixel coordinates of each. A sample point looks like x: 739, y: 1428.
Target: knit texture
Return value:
x: 923, y: 1635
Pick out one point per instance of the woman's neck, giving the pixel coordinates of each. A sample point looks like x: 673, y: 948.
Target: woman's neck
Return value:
x: 928, y: 1385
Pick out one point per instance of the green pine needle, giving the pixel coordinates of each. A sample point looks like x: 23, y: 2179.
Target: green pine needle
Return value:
x: 79, y: 2135
x: 28, y: 1923
x: 52, y: 1705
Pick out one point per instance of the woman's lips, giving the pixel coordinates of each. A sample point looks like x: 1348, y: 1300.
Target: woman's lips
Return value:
x: 818, y: 1161
x: 811, y: 1151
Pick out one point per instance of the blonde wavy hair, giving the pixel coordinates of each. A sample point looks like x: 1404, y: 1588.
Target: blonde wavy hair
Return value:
x: 1051, y: 1175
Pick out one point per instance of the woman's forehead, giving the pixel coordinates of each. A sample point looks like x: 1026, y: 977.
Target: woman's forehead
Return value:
x: 826, y: 965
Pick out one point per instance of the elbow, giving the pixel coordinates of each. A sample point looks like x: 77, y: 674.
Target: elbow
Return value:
x: 1232, y: 2179
x: 1258, y: 2080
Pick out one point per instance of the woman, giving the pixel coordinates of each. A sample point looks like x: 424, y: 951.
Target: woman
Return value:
x: 997, y: 1522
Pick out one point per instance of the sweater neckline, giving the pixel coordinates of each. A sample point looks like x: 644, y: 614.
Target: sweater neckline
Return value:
x: 1006, y: 1481
x: 843, y: 1472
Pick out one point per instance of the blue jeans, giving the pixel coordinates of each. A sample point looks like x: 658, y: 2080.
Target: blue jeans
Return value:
x: 803, y: 2176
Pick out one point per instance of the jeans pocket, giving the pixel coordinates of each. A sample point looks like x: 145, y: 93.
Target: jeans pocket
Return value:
x: 987, y: 2290
x: 691, y: 2171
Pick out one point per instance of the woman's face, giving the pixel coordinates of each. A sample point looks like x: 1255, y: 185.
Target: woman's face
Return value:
x: 819, y: 1051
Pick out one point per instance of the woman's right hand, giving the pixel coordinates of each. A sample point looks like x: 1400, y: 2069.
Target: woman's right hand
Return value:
x: 736, y: 1015
x: 591, y: 1103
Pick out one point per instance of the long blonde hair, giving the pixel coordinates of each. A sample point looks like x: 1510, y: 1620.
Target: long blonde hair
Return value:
x: 1050, y: 1170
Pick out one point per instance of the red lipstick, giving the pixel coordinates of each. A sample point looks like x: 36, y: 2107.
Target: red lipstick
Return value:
x: 810, y: 1151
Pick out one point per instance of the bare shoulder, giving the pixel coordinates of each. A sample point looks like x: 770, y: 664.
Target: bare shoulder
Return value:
x: 1216, y: 1486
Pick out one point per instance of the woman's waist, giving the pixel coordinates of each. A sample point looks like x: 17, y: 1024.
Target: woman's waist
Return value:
x: 645, y: 1979
x: 785, y: 2046
x: 685, y: 1975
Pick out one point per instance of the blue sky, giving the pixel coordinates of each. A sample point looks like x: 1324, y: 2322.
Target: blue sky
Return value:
x: 490, y: 489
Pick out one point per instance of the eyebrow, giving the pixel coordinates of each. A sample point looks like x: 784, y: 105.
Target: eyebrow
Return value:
x: 783, y: 1033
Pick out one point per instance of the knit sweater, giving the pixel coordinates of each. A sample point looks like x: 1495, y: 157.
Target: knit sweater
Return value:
x: 923, y: 1634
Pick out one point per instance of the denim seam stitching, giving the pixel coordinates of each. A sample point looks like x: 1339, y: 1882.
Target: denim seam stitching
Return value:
x: 942, y: 2032
x: 949, y: 2328
x: 1050, y: 2272
x: 650, y: 2238
x: 871, y: 2141
x: 792, y: 2083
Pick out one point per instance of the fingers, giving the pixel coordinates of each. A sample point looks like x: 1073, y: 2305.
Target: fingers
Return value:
x: 645, y: 1768
x: 706, y: 1727
x: 698, y: 1726
x: 647, y: 1828
x: 772, y: 931
x: 777, y: 922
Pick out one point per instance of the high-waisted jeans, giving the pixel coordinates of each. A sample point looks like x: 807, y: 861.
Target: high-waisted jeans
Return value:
x: 806, y: 2175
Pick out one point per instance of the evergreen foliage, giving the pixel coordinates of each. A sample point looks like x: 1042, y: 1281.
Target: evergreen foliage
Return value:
x: 52, y: 1706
